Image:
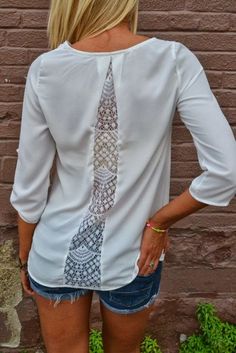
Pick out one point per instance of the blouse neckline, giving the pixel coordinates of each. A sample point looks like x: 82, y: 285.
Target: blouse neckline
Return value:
x: 144, y: 42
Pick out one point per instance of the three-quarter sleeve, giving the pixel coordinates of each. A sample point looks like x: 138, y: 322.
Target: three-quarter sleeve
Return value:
x: 36, y: 150
x: 212, y: 135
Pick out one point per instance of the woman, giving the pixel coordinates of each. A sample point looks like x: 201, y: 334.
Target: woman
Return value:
x: 102, y: 102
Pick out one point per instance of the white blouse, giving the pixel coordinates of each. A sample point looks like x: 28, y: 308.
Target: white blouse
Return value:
x: 107, y: 117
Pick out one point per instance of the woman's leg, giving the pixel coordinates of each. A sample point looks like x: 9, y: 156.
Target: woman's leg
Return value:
x: 123, y: 333
x: 65, y: 328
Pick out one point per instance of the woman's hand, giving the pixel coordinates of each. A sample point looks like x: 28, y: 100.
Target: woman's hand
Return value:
x: 25, y: 282
x: 151, y: 248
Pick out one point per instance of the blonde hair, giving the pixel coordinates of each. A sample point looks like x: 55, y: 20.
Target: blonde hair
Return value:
x: 73, y: 20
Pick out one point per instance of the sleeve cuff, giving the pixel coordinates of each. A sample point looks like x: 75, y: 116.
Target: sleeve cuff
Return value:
x: 27, y: 220
x: 207, y: 201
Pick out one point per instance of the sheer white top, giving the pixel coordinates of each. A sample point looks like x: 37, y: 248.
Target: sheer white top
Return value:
x: 107, y: 117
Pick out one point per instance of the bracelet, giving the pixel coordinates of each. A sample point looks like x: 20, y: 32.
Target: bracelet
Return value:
x: 158, y: 230
x: 23, y: 266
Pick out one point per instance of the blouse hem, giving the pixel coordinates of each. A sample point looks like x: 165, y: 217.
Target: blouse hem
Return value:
x: 82, y: 287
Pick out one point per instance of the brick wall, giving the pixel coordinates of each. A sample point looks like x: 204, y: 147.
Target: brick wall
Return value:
x: 201, y: 262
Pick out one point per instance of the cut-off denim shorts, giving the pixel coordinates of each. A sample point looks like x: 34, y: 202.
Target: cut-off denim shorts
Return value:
x: 134, y: 296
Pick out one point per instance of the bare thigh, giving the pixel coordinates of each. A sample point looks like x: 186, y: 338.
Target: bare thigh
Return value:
x: 123, y: 333
x: 65, y: 328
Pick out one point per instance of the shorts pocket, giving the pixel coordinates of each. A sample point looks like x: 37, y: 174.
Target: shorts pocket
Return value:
x: 131, y: 298
x: 147, y: 276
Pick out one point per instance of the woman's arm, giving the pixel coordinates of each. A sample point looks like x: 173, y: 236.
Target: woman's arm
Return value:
x: 178, y: 208
x: 36, y: 153
x: 216, y: 150
x: 153, y: 243
x: 212, y: 137
x: 25, y: 233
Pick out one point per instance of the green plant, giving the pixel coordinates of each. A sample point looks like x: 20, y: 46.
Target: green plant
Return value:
x: 149, y: 345
x: 95, y: 341
x: 215, y: 336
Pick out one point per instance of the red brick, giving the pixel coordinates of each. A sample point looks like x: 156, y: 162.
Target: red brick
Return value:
x: 8, y: 148
x: 230, y: 114
x: 226, y: 98
x: 232, y: 22
x: 2, y: 37
x: 161, y: 5
x: 199, y: 246
x: 34, y: 53
x: 184, y: 170
x: 10, y: 130
x: 36, y: 4
x: 183, y: 152
x: 214, y: 22
x: 8, y: 215
x: 149, y: 21
x: 9, y: 18
x: 10, y: 110
x: 13, y: 74
x: 199, y: 41
x: 184, y: 21
x: 212, y: 6
x: 198, y: 280
x: 214, y: 78
x: 181, y: 134
x: 229, y: 80
x: 8, y: 166
x: 217, y: 61
x: 34, y: 19
x: 27, y: 38
x: 13, y: 56
x: 11, y: 93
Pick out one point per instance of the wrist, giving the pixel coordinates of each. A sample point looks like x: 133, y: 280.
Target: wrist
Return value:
x: 23, y: 264
x: 23, y: 257
x: 158, y: 223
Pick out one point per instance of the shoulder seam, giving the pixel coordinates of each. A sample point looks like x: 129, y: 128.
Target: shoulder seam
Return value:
x: 176, y: 65
x: 39, y: 72
x: 178, y: 72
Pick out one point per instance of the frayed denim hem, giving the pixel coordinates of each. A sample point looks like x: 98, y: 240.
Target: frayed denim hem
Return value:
x: 130, y: 311
x: 57, y: 298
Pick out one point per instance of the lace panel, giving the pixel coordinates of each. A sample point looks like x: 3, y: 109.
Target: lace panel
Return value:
x: 83, y: 262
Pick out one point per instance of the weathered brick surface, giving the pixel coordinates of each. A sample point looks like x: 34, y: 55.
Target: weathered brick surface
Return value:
x: 25, y: 4
x: 27, y: 38
x: 13, y: 75
x: 201, y: 262
x: 34, y: 19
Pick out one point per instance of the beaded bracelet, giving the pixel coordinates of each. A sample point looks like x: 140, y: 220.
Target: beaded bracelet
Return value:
x: 158, y: 230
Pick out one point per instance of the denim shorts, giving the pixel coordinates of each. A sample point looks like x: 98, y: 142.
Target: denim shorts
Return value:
x: 137, y: 295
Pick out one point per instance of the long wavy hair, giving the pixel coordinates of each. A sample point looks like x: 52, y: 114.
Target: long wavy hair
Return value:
x: 73, y: 20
